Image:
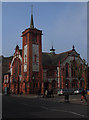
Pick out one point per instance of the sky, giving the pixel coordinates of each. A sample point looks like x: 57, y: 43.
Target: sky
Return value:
x: 63, y: 24
x: 0, y: 28
x: 88, y: 33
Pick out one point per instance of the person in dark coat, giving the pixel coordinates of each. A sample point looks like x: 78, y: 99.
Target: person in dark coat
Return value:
x: 83, y: 96
x: 66, y: 97
x: 52, y: 93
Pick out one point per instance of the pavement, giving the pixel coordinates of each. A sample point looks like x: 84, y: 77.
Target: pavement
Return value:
x: 76, y: 99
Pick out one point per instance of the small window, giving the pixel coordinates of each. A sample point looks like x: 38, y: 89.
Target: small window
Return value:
x: 35, y: 58
x: 71, y: 70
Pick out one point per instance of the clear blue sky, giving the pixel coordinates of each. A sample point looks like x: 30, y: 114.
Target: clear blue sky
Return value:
x: 63, y: 24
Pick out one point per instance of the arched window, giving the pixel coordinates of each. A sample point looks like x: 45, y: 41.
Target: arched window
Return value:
x: 67, y: 73
x: 53, y: 84
x: 71, y: 70
x: 67, y: 83
x: 75, y: 84
x: 35, y: 58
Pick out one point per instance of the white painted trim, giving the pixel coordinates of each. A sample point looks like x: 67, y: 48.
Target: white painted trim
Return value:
x: 19, y: 56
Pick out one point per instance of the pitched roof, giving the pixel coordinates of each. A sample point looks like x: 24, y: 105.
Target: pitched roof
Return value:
x: 50, y: 59
x: 4, y: 63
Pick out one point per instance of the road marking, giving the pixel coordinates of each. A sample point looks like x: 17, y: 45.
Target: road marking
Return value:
x: 44, y: 107
x: 78, y: 114
x: 64, y: 111
x: 24, y: 104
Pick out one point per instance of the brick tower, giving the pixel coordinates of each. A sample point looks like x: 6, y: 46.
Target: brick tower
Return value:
x: 32, y: 81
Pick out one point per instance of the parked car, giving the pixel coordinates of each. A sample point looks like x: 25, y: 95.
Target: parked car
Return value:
x: 60, y: 92
x: 78, y: 91
x: 71, y: 91
x: 65, y: 91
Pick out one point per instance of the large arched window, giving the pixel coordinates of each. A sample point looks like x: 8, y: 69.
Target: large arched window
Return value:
x: 67, y: 70
x: 74, y: 83
x: 53, y: 84
x: 67, y: 83
x: 72, y: 70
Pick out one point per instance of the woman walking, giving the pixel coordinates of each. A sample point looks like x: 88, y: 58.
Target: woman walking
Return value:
x: 83, y: 96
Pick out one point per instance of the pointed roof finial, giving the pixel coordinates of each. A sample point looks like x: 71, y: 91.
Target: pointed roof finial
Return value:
x: 73, y: 47
x: 52, y: 50
x: 52, y: 46
x: 17, y: 47
x: 31, y: 23
x: 31, y: 9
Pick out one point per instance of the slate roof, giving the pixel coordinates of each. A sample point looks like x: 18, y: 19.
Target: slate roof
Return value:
x: 4, y: 63
x: 49, y: 59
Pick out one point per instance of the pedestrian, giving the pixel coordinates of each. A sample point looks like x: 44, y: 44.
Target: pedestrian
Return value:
x: 66, y: 96
x: 83, y: 96
x: 46, y: 92
x: 52, y: 93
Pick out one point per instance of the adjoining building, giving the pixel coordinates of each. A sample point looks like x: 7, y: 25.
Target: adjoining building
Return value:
x: 30, y: 70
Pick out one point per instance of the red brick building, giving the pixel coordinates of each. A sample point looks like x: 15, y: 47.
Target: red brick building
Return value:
x: 32, y: 70
x: 15, y: 70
